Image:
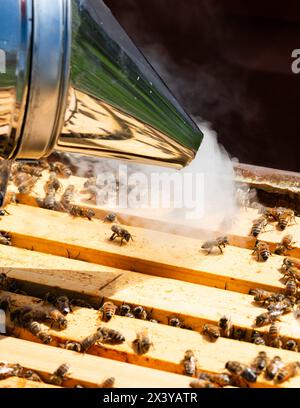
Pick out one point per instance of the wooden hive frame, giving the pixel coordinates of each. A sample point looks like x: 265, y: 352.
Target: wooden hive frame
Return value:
x: 165, y: 272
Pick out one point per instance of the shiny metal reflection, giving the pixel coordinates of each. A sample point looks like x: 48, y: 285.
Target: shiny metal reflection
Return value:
x: 118, y: 106
x: 76, y: 82
x: 15, y: 46
x: 96, y: 128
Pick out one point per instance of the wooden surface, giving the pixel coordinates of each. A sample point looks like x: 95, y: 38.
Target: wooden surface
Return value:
x: 169, y: 343
x: 86, y: 370
x: 153, y: 253
x: 238, y: 234
x: 194, y: 303
x: 15, y: 382
x: 163, y: 269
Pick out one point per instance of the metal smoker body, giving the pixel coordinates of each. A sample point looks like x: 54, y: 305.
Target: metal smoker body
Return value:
x: 72, y: 80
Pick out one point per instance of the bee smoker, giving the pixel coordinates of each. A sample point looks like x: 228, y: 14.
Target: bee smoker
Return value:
x: 72, y: 80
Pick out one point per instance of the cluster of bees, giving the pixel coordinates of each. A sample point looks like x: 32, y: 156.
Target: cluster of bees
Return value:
x: 278, y: 304
x: 224, y: 328
x: 284, y: 217
x: 142, y: 343
x: 25, y: 176
x: 239, y: 374
x: 53, y: 312
x: 59, y: 376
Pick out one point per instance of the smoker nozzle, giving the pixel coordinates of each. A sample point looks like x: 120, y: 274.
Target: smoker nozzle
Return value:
x: 72, y: 80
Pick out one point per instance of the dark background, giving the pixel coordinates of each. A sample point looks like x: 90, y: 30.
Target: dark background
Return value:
x: 228, y: 62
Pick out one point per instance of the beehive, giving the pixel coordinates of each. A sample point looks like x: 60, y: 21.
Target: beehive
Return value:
x: 165, y: 272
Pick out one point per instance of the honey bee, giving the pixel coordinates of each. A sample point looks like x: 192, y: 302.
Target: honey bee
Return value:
x: 274, y: 338
x: 284, y: 305
x: 139, y: 313
x: 58, y: 321
x: 267, y: 318
x: 20, y: 179
x: 189, y: 363
x: 265, y: 297
x: 5, y: 238
x: 61, y: 307
x: 291, y: 345
x: 43, y: 164
x: 257, y: 338
x: 63, y: 304
x: 108, y: 383
x: 60, y: 374
x: 49, y: 202
x: 291, y: 273
x: 10, y: 370
x: 225, y: 326
x: 111, y: 336
x: 30, y: 375
x: 36, y: 330
x: 203, y: 384
x: 291, y: 287
x: 111, y: 217
x: 24, y: 315
x: 241, y: 370
x: 211, y: 331
x: 73, y: 345
x: 262, y: 251
x: 77, y: 211
x: 3, y: 212
x: 90, y: 340
x: 27, y: 186
x: 238, y: 333
x: 80, y: 303
x: 108, y: 311
x: 258, y: 226
x: 142, y: 343
x: 219, y: 242
x: 61, y: 169
x: 119, y: 232
x: 222, y: 380
x: 285, y: 218
x: 7, y: 370
x: 29, y: 169
x: 175, y: 322
x: 53, y: 184
x: 260, y: 362
x: 272, y: 213
x: 289, y: 262
x: 285, y: 245
x: 124, y: 309
x: 68, y: 196
x: 273, y: 367
x: 287, y: 371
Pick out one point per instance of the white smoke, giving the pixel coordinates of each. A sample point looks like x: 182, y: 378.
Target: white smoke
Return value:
x: 202, y: 195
